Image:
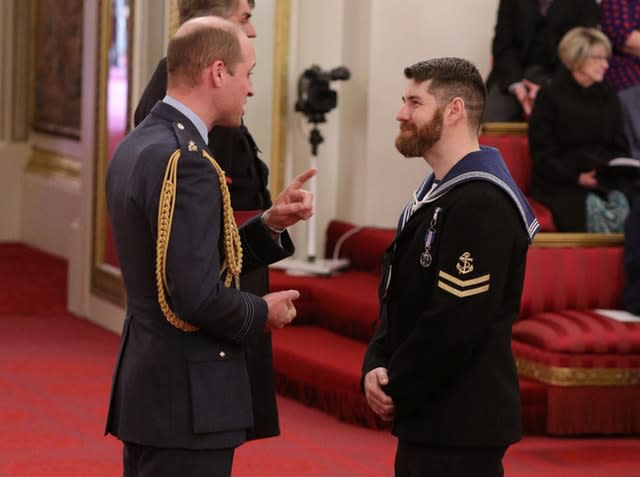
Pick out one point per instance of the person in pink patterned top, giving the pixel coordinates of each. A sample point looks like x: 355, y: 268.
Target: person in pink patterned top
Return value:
x: 621, y: 23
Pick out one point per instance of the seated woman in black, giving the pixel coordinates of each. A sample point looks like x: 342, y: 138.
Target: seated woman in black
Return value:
x: 575, y: 129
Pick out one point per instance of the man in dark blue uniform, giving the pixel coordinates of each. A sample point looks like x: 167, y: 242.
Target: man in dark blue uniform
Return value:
x: 440, y: 364
x: 181, y: 398
x: 235, y: 150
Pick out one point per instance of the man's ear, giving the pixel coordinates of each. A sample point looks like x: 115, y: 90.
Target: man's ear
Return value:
x: 217, y: 71
x: 455, y: 110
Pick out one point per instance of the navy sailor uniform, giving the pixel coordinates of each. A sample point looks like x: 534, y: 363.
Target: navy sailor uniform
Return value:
x: 450, y: 291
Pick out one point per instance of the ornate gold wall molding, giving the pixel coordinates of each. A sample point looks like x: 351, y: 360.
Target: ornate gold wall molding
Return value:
x: 173, y: 18
x: 5, y: 38
x: 548, y: 239
x: 504, y: 128
x: 559, y: 376
x: 49, y: 164
x: 21, y: 69
x: 279, y: 117
x: 16, y: 56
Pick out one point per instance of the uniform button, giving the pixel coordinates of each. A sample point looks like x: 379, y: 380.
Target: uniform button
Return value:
x: 180, y: 126
x: 222, y: 354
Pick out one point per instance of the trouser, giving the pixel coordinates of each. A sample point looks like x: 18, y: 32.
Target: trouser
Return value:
x: 146, y: 461
x: 414, y: 460
x: 501, y: 106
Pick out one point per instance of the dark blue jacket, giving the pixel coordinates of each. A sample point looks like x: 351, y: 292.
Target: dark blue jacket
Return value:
x: 172, y: 388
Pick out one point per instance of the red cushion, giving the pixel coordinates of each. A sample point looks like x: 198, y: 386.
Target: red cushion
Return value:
x: 322, y: 369
x: 298, y: 346
x: 572, y: 277
x: 364, y: 248
x: 515, y: 152
x: 555, y: 359
x: 346, y: 303
x: 578, y: 332
x: 305, y: 305
x: 544, y: 216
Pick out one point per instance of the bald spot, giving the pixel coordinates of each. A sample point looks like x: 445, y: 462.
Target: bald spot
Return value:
x: 197, y: 44
x: 199, y: 23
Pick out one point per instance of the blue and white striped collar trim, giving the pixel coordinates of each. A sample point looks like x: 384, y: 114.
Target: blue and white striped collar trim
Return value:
x: 532, y: 225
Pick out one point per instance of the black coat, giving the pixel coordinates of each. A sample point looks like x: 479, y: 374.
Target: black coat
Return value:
x: 524, y: 38
x: 445, y: 330
x: 172, y: 388
x: 572, y: 129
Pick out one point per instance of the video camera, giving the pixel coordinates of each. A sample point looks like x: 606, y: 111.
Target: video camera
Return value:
x: 315, y: 98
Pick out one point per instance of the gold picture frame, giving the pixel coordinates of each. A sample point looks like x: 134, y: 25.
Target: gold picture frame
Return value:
x: 106, y: 279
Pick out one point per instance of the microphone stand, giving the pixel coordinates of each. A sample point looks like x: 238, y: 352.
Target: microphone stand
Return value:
x: 315, y: 139
x: 313, y: 265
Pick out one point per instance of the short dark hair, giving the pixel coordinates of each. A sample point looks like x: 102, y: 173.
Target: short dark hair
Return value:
x: 453, y: 77
x: 191, y: 52
x: 188, y: 9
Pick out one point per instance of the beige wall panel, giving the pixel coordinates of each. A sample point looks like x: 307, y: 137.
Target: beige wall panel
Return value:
x: 48, y: 210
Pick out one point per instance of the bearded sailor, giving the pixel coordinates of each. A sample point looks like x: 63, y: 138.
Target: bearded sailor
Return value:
x: 440, y: 365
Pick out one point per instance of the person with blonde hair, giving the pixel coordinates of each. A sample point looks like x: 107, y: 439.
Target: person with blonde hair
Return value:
x: 575, y: 129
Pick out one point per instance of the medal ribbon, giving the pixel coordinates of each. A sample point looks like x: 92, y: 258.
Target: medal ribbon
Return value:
x: 429, y: 237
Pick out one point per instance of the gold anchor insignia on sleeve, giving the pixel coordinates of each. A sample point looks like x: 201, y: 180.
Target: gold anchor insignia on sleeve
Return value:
x: 192, y: 147
x: 465, y: 265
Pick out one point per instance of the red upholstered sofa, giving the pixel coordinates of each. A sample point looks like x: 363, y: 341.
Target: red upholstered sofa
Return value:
x: 580, y: 371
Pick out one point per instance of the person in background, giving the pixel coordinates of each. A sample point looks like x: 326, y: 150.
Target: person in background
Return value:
x: 574, y: 130
x: 621, y: 23
x: 233, y: 148
x: 247, y: 176
x: 181, y: 398
x: 524, y: 51
x: 631, y: 295
x: 440, y: 364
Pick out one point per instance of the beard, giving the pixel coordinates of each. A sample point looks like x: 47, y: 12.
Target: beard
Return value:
x: 422, y: 139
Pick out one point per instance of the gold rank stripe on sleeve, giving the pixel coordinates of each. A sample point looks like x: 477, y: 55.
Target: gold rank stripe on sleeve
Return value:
x: 461, y: 288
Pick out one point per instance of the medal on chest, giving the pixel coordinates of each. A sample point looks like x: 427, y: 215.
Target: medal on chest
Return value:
x: 429, y: 237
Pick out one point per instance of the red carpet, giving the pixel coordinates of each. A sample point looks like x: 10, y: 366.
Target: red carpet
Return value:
x: 31, y: 281
x: 55, y: 373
